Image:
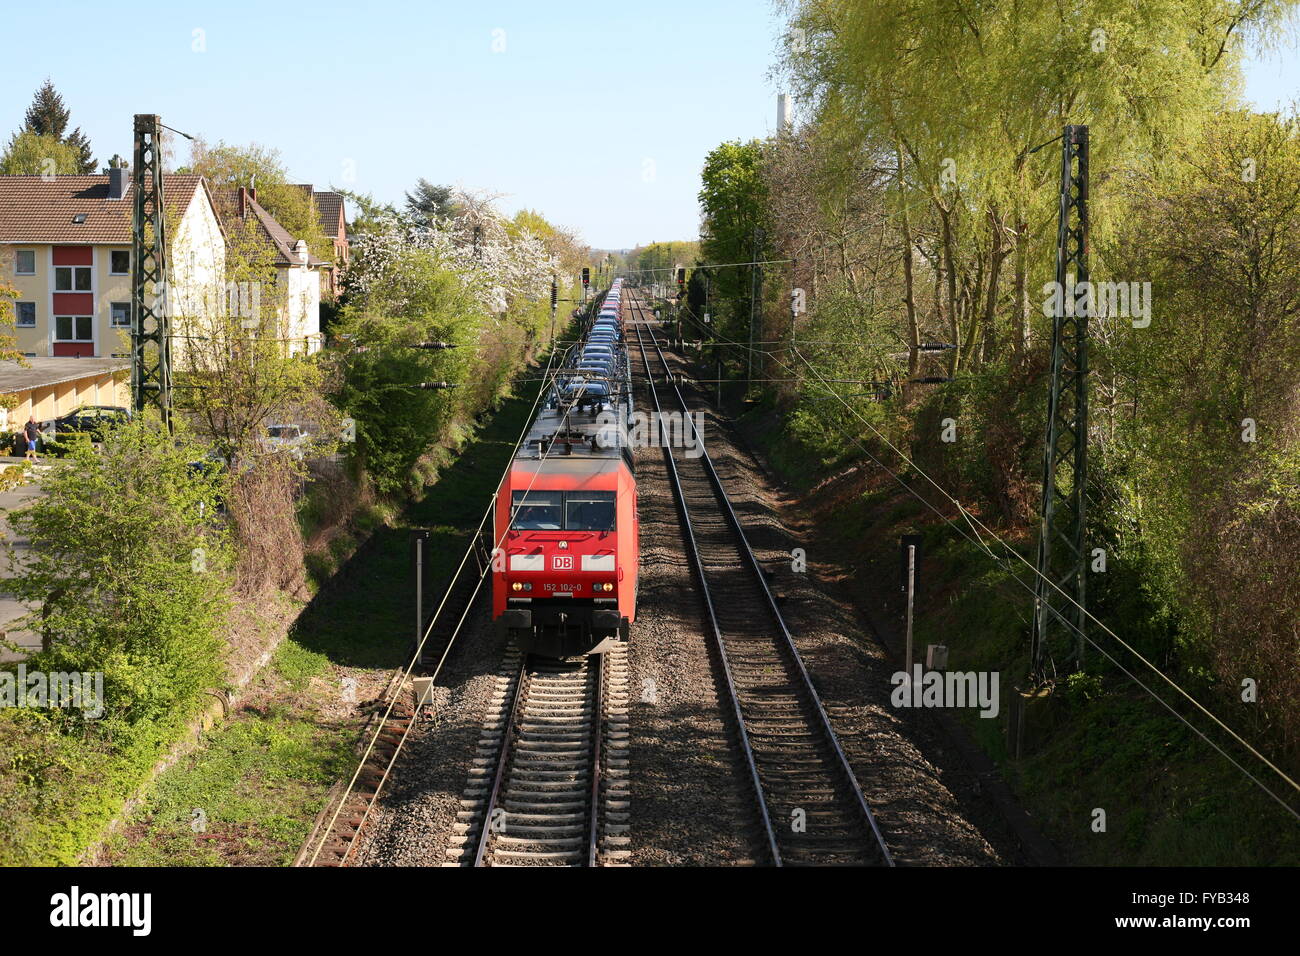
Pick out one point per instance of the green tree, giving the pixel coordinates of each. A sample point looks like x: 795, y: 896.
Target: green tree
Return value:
x: 9, y: 351
x: 655, y: 262
x: 1202, y: 402
x: 958, y: 97
x: 237, y: 374
x: 428, y: 203
x: 130, y: 571
x: 48, y: 116
x: 32, y: 154
x: 256, y: 166
x: 733, y: 209
x: 380, y: 372
x: 8, y: 346
x: 371, y: 214
x: 563, y: 244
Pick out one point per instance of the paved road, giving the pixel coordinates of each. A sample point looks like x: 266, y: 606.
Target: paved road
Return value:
x: 10, y: 609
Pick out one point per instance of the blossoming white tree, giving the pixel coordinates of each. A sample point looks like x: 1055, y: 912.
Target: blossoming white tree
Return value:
x: 497, y: 264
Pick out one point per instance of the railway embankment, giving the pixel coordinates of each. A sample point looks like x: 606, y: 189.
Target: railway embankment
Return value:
x: 249, y: 789
x: 1166, y: 796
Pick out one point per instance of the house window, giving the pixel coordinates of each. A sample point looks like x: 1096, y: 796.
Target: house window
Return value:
x: 25, y: 315
x: 121, y: 315
x: 25, y: 262
x: 73, y: 328
x: 72, y: 278
x: 119, y: 262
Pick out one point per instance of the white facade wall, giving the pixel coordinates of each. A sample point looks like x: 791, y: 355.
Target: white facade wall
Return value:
x: 198, y: 267
x: 300, y: 286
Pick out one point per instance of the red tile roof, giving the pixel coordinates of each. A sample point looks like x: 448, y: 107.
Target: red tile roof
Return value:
x: 269, y: 229
x: 329, y: 211
x: 33, y: 209
x: 330, y: 208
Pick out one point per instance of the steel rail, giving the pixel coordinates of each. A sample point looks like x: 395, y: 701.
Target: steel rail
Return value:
x: 597, y: 732
x: 503, y: 762
x: 823, y: 720
x: 719, y: 644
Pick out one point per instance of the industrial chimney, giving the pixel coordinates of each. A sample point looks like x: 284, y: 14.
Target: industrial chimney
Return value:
x: 783, y: 121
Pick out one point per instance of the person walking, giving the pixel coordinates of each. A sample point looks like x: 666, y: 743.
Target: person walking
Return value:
x: 31, y: 431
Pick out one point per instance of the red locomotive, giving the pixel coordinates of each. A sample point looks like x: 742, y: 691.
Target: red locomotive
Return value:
x: 564, y: 576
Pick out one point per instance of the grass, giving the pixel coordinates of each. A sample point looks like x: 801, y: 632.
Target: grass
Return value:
x: 249, y: 795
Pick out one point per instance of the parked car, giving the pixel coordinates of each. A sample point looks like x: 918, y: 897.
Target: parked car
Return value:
x: 92, y: 420
x: 291, y: 438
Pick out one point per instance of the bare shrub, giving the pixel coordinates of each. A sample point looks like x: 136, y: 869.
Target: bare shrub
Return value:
x: 263, y: 513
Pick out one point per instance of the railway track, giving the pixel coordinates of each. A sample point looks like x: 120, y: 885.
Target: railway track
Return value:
x: 337, y: 842
x: 549, y: 784
x: 811, y: 806
x: 340, y: 826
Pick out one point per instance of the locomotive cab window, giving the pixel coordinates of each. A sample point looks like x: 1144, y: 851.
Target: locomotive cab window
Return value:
x: 538, y: 511
x: 561, y: 511
x: 589, y: 511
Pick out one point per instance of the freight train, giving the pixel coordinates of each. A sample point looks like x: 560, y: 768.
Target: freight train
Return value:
x: 564, y: 574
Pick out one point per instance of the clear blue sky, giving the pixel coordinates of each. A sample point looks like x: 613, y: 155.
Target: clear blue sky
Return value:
x: 564, y: 120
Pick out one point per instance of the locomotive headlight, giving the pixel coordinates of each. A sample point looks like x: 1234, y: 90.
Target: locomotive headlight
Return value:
x: 527, y: 586
x: 516, y: 586
x: 609, y: 585
x: 564, y: 546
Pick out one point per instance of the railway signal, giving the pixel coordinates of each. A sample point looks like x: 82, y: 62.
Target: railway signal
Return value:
x: 586, y: 277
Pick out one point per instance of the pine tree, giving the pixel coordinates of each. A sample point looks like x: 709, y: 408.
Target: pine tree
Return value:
x: 86, y: 161
x: 429, y: 202
x: 48, y: 116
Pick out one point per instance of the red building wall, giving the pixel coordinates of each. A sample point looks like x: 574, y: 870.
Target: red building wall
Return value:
x: 74, y: 303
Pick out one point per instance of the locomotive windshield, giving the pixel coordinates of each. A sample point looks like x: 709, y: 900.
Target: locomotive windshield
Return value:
x: 563, y: 511
x: 538, y: 510
x: 589, y: 511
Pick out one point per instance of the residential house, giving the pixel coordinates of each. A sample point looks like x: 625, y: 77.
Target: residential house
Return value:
x: 333, y: 222
x: 65, y: 245
x: 297, y: 292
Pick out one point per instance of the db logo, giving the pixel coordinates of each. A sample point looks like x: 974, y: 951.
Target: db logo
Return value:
x: 562, y: 562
